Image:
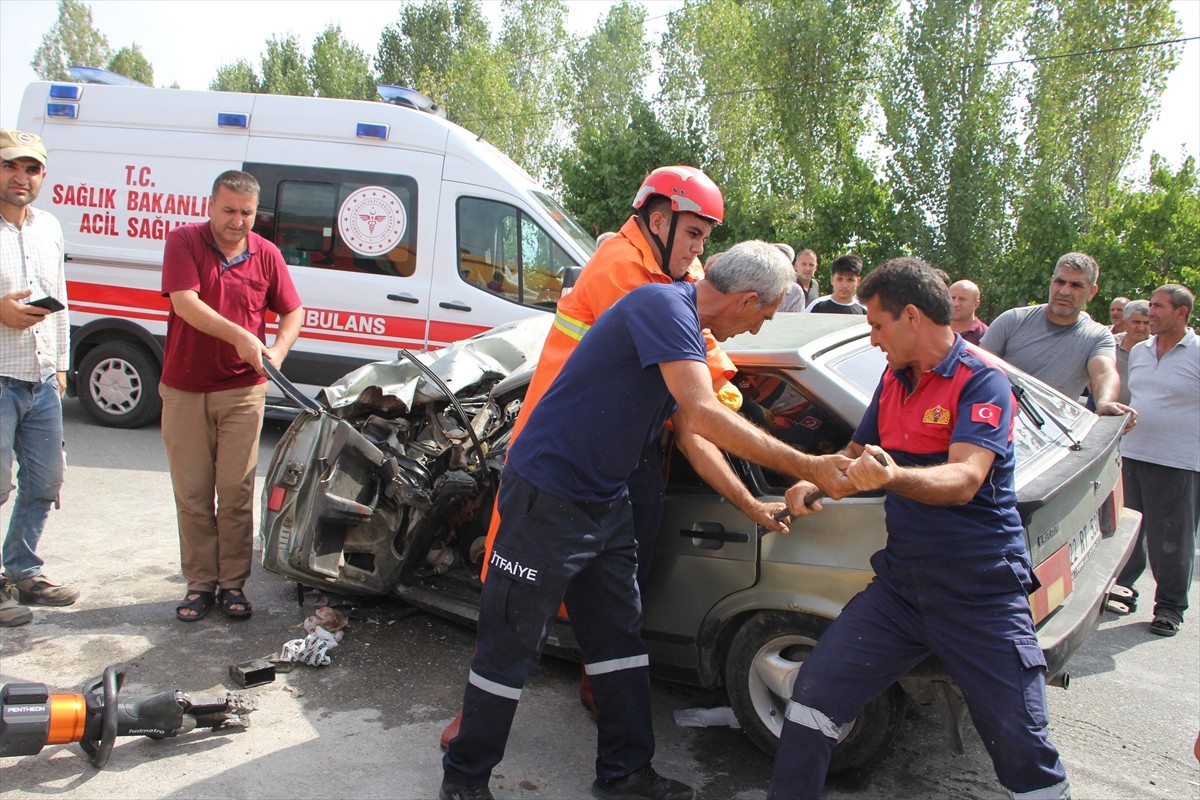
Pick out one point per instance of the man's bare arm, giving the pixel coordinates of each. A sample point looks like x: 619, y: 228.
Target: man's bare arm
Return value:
x: 712, y: 466
x: 949, y: 484
x: 1106, y: 383
x: 289, y: 331
x: 700, y: 412
x: 204, y: 318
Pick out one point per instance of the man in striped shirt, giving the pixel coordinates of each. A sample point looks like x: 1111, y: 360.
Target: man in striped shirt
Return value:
x: 34, y: 357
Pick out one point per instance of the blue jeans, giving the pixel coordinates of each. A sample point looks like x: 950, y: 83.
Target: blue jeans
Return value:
x: 31, y: 428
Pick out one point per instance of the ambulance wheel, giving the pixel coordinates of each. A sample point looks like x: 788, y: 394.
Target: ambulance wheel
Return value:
x: 760, y: 671
x: 118, y: 385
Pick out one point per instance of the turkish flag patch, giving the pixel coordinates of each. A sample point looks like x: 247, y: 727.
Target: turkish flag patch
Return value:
x: 986, y: 412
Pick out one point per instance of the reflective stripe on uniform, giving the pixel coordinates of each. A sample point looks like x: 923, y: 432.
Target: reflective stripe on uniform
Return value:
x: 491, y: 687
x: 1059, y: 791
x: 811, y: 718
x: 617, y: 664
x: 570, y: 326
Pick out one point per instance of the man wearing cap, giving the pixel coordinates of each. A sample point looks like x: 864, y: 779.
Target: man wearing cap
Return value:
x: 34, y: 356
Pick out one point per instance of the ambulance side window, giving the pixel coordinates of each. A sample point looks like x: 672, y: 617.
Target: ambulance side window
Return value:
x: 339, y: 219
x: 503, y: 251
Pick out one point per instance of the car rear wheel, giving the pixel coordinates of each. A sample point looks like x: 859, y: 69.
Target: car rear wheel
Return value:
x: 760, y: 671
x: 118, y: 385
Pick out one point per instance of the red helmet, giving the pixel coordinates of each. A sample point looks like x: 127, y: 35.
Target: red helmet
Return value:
x: 688, y: 188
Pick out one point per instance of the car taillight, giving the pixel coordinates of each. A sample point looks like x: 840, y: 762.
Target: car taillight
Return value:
x: 275, y: 502
x: 1057, y: 584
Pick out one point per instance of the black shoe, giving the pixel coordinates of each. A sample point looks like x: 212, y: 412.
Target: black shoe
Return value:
x: 645, y: 784
x: 456, y: 791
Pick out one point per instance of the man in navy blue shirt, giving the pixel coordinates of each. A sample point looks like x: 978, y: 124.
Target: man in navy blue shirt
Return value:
x: 566, y: 532
x: 954, y: 578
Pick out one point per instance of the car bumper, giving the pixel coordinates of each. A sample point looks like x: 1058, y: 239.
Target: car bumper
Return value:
x: 1064, y: 632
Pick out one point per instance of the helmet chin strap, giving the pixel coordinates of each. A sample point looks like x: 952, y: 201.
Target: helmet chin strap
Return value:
x: 664, y: 250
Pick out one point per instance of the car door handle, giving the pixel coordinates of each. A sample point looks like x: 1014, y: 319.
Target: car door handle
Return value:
x: 714, y: 535
x: 455, y: 306
x: 403, y: 298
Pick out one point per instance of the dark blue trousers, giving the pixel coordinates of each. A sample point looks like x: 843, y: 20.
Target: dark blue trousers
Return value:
x: 975, y: 617
x: 550, y: 551
x: 1169, y: 500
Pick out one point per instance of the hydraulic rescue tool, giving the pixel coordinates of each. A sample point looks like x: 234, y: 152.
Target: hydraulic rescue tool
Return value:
x: 31, y: 717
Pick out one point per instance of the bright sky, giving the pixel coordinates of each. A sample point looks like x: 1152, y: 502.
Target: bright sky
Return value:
x: 187, y: 40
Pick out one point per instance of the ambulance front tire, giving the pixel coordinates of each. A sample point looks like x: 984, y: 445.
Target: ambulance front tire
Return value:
x: 117, y: 383
x: 760, y: 669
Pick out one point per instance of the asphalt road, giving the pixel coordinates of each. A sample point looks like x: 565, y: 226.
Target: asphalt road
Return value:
x: 367, y: 725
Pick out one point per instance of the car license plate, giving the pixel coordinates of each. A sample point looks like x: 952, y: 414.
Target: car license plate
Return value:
x: 1083, y: 543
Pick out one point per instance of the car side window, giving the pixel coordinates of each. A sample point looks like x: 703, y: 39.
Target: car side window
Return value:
x: 339, y: 219
x: 503, y: 251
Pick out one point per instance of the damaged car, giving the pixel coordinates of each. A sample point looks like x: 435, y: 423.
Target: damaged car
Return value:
x: 386, y: 485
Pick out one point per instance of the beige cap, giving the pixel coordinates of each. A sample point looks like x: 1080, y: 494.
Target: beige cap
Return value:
x: 19, y: 144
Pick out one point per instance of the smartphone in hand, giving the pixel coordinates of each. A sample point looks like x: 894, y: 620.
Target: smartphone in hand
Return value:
x: 48, y: 303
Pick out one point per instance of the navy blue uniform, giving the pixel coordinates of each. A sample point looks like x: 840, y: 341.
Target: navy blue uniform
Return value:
x: 953, y: 581
x: 566, y: 535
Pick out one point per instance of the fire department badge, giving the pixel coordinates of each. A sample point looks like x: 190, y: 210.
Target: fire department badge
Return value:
x: 936, y: 416
x: 372, y: 220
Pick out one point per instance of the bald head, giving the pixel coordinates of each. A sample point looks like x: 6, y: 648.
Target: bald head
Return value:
x: 964, y: 299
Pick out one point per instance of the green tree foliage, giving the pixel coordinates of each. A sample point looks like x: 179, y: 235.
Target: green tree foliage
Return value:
x: 131, y: 62
x: 72, y: 41
x: 609, y: 69
x: 417, y: 50
x: 339, y: 68
x: 284, y: 67
x: 236, y: 77
x: 533, y: 46
x: 602, y: 176
x: 948, y: 126
x: 781, y: 90
x: 1088, y: 112
x: 1147, y: 236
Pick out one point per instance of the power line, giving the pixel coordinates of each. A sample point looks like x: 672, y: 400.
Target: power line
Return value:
x: 1077, y: 54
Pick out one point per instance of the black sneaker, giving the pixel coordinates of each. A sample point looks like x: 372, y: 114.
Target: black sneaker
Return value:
x: 456, y: 791
x: 645, y: 784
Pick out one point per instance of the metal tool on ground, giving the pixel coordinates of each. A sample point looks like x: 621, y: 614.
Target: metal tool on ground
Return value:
x: 32, y: 717
x: 782, y: 514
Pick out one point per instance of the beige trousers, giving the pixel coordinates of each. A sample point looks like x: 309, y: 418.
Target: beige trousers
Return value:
x: 211, y: 440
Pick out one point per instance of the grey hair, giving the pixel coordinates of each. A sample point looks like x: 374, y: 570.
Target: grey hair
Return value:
x: 1081, y: 262
x: 237, y: 182
x: 1137, y: 307
x: 753, y: 266
x: 1180, y: 296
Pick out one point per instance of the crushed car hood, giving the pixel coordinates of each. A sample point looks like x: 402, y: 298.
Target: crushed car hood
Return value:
x: 397, y: 387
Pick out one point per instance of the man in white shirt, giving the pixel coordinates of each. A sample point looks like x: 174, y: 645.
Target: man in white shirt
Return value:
x: 1161, y: 456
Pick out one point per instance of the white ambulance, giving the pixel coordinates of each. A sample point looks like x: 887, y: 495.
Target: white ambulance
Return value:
x: 403, y: 230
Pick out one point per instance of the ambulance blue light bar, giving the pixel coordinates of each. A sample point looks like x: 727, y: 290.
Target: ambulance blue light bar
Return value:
x: 371, y: 130
x: 63, y: 110
x: 66, y: 91
x: 229, y: 119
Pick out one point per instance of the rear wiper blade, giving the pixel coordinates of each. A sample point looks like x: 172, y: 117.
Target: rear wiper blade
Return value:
x: 1026, y: 404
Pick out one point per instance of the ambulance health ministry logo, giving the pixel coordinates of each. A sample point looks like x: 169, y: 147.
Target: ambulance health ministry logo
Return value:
x: 372, y: 220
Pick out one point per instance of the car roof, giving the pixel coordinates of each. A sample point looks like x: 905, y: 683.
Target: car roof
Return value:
x: 789, y: 331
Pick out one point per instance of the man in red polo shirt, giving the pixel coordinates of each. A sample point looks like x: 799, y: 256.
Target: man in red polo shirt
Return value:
x: 222, y: 278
